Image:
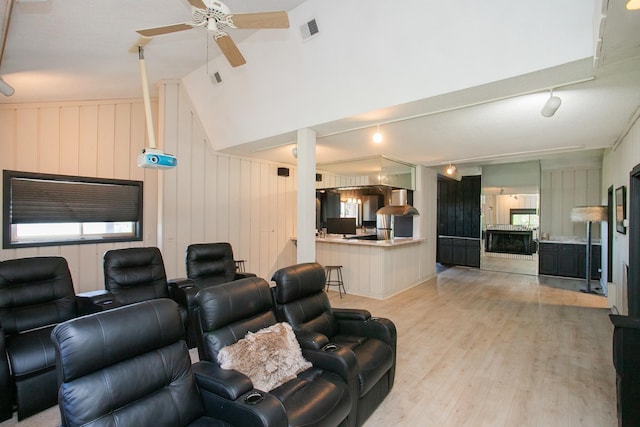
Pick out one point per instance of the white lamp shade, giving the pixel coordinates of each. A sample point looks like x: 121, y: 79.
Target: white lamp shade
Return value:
x: 589, y: 214
x: 551, y: 106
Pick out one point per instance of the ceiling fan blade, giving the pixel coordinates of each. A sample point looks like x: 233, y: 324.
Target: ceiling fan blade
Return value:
x: 151, y: 32
x: 230, y: 50
x: 259, y: 20
x: 198, y: 3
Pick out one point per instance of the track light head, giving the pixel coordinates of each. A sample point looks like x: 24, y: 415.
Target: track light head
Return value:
x: 551, y: 106
x: 5, y: 89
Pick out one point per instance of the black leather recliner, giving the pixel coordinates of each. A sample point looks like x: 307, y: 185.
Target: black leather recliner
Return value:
x: 131, y: 367
x: 300, y: 300
x: 134, y: 275
x: 318, y: 396
x: 207, y: 264
x: 35, y: 294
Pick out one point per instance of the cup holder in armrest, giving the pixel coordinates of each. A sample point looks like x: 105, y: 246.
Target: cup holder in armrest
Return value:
x: 253, y: 398
x: 330, y: 347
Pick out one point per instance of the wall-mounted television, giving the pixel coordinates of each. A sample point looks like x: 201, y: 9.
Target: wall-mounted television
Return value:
x: 342, y: 226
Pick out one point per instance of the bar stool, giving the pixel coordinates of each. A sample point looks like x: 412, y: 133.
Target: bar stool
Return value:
x: 240, y: 265
x: 337, y: 281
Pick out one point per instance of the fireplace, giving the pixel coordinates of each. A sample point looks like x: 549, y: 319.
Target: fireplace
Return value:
x: 509, y: 240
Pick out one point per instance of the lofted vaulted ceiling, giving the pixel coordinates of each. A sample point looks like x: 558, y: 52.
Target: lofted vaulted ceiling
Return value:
x: 70, y: 50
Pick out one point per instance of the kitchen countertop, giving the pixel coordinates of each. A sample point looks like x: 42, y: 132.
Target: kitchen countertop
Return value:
x: 399, y: 241
x: 570, y: 240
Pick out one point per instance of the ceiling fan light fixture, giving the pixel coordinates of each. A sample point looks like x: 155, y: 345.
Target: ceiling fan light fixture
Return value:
x: 633, y: 5
x: 551, y: 106
x: 377, y: 137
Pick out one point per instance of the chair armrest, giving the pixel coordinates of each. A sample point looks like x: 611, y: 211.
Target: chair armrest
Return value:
x: 351, y: 314
x: 95, y: 301
x: 249, y: 408
x: 183, y: 291
x: 625, y: 321
x: 311, y: 340
x: 227, y: 383
x: 244, y: 275
x: 334, y: 358
x: 6, y: 389
x: 375, y: 327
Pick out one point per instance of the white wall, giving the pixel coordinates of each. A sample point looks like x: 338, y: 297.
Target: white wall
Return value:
x: 94, y: 139
x: 616, y: 167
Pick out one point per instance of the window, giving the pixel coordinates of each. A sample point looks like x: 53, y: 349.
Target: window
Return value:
x: 45, y: 210
x: 351, y: 208
x: 525, y: 217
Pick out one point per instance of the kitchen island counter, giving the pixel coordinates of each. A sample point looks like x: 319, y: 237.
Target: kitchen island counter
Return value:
x: 354, y: 241
x: 376, y: 268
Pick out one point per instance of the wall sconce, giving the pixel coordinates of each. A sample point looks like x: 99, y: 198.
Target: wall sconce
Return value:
x: 294, y: 151
x: 5, y: 89
x: 551, y: 106
x: 451, y: 169
x: 633, y: 5
x: 377, y: 137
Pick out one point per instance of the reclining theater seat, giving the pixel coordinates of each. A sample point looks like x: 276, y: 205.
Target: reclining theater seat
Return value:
x: 300, y: 300
x: 111, y: 373
x: 136, y: 274
x: 317, y: 396
x: 207, y: 264
x: 35, y: 295
x: 212, y: 264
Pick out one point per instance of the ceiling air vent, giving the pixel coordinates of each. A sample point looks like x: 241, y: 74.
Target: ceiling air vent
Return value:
x: 309, y: 29
x: 216, y: 78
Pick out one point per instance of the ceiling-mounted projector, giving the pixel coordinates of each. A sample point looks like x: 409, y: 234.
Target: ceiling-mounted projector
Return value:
x: 152, y: 158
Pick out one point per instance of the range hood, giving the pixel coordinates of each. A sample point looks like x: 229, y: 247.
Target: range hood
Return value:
x: 401, y: 210
x: 398, y: 206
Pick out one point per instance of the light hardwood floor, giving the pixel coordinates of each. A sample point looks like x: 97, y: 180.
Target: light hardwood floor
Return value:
x: 482, y: 348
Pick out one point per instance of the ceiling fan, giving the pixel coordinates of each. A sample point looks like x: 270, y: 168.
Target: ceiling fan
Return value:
x: 216, y: 17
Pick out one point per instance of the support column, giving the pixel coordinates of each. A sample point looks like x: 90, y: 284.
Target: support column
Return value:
x: 306, y: 180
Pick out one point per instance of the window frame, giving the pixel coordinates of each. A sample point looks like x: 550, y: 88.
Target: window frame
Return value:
x: 8, y: 241
x: 523, y: 211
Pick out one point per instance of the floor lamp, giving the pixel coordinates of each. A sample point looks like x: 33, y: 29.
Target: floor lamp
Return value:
x: 588, y: 215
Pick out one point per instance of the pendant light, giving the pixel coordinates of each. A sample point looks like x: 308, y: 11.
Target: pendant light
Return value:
x: 377, y: 137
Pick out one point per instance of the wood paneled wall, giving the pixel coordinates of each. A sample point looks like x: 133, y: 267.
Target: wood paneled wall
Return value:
x: 215, y: 197
x: 497, y: 208
x: 618, y: 163
x: 563, y: 189
x: 95, y: 139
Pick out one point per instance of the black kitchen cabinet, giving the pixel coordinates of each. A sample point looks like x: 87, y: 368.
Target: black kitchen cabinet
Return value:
x: 458, y: 214
x: 548, y: 259
x: 568, y: 260
x: 459, y: 251
x: 445, y: 250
